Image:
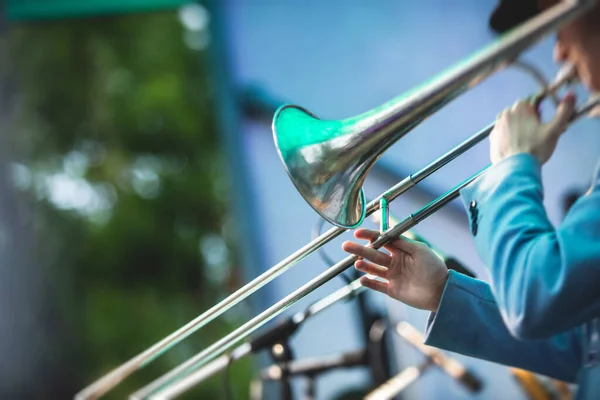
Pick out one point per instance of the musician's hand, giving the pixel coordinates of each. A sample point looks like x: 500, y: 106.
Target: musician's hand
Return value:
x: 519, y: 130
x: 414, y: 274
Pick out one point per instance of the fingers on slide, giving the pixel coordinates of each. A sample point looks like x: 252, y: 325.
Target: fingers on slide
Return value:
x: 372, y: 269
x: 374, y: 284
x: 366, y: 252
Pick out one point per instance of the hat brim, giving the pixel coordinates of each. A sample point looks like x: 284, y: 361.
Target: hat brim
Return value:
x: 511, y: 13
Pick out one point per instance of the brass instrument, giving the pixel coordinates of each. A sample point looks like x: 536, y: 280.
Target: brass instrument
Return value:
x: 328, y: 162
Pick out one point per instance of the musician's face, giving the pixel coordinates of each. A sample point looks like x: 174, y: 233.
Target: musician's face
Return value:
x: 579, y: 44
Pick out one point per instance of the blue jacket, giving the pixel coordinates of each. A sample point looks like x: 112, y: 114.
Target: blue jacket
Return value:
x: 540, y: 310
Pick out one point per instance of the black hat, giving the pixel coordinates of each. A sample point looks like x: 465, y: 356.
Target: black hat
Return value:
x: 510, y: 13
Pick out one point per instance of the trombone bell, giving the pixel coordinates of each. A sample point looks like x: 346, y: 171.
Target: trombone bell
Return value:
x: 328, y: 160
x: 324, y: 161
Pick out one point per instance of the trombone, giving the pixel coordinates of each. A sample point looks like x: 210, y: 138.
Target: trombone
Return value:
x: 328, y: 161
x: 290, y: 325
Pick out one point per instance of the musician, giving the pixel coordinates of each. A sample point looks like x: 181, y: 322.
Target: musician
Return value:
x: 541, y: 310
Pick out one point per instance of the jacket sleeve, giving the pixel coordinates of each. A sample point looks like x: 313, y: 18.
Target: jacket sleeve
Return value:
x: 468, y: 322
x: 545, y: 280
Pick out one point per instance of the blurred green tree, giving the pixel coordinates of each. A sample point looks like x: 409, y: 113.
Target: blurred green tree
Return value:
x: 118, y: 149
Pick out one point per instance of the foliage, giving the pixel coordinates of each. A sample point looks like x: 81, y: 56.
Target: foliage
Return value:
x: 118, y: 148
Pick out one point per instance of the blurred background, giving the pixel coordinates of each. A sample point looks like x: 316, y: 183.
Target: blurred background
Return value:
x: 139, y: 182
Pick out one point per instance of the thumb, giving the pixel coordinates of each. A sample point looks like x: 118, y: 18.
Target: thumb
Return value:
x: 563, y: 115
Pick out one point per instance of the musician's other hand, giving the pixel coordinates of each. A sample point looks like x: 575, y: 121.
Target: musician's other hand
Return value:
x: 519, y: 130
x: 413, y: 273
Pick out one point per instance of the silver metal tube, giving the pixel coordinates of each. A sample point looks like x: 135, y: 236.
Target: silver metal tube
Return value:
x: 443, y: 89
x: 219, y: 364
x: 352, y: 289
x: 245, y: 330
x: 587, y: 107
x: 214, y: 367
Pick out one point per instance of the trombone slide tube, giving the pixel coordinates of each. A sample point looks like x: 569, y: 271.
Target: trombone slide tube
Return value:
x: 246, y: 329
x: 113, y: 378
x: 245, y: 349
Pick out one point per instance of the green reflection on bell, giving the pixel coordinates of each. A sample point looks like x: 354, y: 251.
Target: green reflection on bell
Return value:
x: 321, y: 159
x: 328, y: 160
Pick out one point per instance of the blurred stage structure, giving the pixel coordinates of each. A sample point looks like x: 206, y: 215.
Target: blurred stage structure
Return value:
x: 343, y: 58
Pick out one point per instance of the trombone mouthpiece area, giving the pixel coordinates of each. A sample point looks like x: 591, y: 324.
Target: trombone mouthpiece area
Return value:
x: 566, y: 75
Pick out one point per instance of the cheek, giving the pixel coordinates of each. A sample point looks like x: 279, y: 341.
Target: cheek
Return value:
x: 591, y: 64
x: 594, y: 66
